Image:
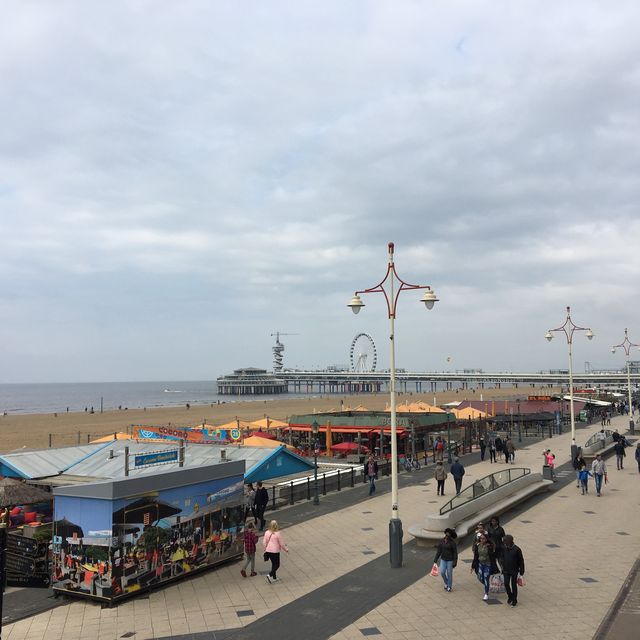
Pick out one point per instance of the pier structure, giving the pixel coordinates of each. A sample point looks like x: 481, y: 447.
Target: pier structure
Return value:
x: 251, y: 381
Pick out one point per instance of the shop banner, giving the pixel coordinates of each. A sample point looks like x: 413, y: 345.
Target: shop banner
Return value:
x: 188, y: 434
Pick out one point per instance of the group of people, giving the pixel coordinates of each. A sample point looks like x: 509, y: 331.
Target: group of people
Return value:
x: 440, y: 475
x: 256, y: 500
x: 494, y: 552
x: 498, y: 449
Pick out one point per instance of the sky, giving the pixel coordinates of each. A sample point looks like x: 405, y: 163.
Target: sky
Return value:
x: 181, y: 180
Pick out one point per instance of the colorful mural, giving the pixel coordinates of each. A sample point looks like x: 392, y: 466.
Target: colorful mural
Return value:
x: 202, y: 435
x: 110, y: 549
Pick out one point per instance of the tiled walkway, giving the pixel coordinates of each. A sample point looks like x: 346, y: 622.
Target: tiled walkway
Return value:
x: 336, y: 582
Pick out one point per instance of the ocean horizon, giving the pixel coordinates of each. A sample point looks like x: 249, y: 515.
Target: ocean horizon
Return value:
x: 58, y: 397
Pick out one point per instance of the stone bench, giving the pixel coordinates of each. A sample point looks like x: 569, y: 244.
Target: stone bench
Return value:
x: 464, y: 518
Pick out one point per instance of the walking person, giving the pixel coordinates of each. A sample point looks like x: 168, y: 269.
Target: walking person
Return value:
x: 619, y: 448
x: 371, y: 472
x: 499, y: 447
x: 483, y: 560
x: 447, y: 554
x: 510, y: 451
x: 260, y: 502
x: 250, y: 501
x: 638, y: 456
x: 579, y: 463
x: 584, y: 479
x: 512, y: 566
x: 273, y: 544
x: 496, y: 534
x: 440, y: 475
x: 250, y: 543
x: 492, y: 449
x: 483, y: 448
x: 599, y: 471
x: 457, y: 471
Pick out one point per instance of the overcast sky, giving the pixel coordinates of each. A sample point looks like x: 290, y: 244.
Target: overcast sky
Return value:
x: 179, y: 180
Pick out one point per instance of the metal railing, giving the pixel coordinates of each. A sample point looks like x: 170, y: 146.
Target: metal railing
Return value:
x: 483, y: 486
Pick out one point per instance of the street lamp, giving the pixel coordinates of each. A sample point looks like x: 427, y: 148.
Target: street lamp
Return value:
x: 449, y: 460
x: 429, y: 298
x: 568, y: 328
x: 314, y: 430
x: 626, y: 344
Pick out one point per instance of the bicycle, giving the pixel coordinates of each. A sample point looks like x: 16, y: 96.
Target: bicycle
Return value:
x: 411, y: 464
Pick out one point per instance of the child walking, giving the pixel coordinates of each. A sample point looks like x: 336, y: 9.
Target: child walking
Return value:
x: 584, y: 480
x: 250, y: 542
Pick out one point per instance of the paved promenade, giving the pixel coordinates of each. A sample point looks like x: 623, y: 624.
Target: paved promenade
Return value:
x: 336, y: 582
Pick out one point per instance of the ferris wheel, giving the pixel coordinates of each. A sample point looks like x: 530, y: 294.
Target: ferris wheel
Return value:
x: 363, y: 354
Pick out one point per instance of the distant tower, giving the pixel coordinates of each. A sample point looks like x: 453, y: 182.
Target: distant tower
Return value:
x: 278, y: 350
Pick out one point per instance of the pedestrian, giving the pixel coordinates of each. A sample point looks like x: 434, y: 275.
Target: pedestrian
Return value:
x: 499, y: 447
x: 615, y: 435
x: 447, y: 554
x: 619, y: 447
x: 584, y: 474
x: 457, y: 471
x: 638, y: 456
x: 496, y: 534
x: 512, y: 566
x: 602, y: 437
x: 483, y: 447
x: 492, y: 449
x: 599, y: 471
x: 510, y: 451
x: 371, y: 472
x: 579, y: 463
x: 440, y: 475
x: 250, y: 501
x: 273, y: 544
x: 483, y: 560
x: 260, y: 503
x: 250, y: 542
x: 438, y: 448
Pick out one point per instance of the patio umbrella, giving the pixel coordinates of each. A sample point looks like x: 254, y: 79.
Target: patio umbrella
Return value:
x: 264, y: 434
x: 148, y: 509
x: 65, y: 529
x: 346, y: 447
x: 14, y: 492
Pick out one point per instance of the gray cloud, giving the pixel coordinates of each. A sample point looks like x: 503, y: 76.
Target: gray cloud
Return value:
x: 177, y: 181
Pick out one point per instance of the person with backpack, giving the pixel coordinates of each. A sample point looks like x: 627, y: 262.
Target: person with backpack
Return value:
x: 457, y: 471
x: 447, y: 554
x: 439, y: 448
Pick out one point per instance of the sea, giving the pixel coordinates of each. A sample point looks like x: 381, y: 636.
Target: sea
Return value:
x: 78, y: 396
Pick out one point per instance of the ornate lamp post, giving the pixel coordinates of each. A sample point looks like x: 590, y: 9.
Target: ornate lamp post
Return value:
x: 626, y: 344
x: 391, y: 296
x: 315, y: 430
x: 569, y: 328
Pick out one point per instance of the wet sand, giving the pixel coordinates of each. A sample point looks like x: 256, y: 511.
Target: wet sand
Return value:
x: 35, y: 431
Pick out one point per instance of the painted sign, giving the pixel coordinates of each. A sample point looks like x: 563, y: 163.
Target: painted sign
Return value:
x: 188, y: 434
x: 158, y: 457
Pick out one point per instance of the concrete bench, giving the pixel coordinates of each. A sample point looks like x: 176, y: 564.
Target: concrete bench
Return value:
x: 464, y: 518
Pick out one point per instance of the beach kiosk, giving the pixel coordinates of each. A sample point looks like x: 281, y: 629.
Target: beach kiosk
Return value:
x: 115, y: 538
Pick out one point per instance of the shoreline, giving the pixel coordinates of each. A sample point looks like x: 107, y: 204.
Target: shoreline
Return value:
x: 41, y: 430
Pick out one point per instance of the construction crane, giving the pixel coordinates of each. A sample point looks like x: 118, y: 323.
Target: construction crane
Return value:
x: 278, y: 350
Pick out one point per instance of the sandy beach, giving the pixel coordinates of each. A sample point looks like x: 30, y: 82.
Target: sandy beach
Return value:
x: 35, y: 431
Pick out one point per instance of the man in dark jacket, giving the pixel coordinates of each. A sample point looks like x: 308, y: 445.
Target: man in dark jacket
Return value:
x: 618, y: 447
x: 457, y: 471
x: 261, y: 502
x: 512, y: 565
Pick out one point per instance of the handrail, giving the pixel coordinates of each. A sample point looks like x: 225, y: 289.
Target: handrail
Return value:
x: 483, y: 486
x: 596, y: 436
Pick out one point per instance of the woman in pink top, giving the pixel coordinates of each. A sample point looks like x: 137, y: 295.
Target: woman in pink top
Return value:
x: 273, y: 542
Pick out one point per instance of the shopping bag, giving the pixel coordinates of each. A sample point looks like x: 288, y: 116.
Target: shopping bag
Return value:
x: 521, y: 581
x: 265, y: 556
x: 434, y: 570
x: 606, y: 479
x: 496, y: 583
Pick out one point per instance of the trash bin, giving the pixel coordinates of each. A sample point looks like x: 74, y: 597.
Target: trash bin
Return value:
x: 546, y: 473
